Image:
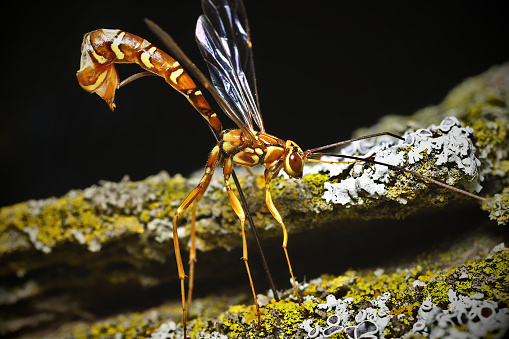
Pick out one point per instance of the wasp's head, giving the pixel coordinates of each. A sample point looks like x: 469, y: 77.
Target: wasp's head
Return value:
x: 294, y: 160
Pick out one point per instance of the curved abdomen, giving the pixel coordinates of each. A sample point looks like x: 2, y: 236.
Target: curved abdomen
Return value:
x: 102, y: 48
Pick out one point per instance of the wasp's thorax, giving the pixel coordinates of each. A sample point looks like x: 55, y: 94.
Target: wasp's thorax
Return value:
x: 271, y: 152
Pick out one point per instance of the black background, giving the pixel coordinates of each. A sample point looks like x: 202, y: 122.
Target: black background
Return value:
x: 322, y: 69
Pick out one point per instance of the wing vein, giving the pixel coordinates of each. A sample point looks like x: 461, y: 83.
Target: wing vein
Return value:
x: 222, y: 34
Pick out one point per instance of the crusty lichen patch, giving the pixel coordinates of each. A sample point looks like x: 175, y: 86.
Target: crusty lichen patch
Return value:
x: 481, y: 103
x: 498, y: 206
x: 82, y: 217
x: 444, y: 152
x: 395, y: 301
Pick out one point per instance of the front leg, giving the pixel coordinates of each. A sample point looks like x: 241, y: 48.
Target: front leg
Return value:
x: 269, y: 175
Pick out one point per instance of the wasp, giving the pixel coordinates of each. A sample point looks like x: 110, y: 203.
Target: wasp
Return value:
x: 223, y: 37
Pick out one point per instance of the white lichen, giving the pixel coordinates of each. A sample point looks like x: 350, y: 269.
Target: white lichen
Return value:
x: 33, y: 233
x: 161, y: 228
x: 499, y: 248
x: 79, y: 236
x: 125, y: 196
x: 466, y: 317
x: 94, y: 245
x: 447, y: 144
x: 168, y: 330
x: 172, y: 330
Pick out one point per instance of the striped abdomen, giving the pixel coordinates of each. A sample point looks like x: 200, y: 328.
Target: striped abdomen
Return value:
x: 102, y: 48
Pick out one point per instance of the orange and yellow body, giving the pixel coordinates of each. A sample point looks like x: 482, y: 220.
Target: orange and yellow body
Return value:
x: 102, y: 48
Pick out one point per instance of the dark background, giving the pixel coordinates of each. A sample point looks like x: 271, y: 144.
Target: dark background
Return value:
x: 322, y: 72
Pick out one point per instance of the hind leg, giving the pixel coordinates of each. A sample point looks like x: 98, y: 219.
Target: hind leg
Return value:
x: 194, y: 196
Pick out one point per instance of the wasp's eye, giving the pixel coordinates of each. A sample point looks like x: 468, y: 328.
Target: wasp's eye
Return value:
x: 294, y: 165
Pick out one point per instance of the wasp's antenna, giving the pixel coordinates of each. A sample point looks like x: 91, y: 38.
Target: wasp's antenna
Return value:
x: 310, y: 151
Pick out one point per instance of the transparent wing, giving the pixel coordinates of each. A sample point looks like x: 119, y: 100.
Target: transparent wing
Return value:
x: 222, y: 34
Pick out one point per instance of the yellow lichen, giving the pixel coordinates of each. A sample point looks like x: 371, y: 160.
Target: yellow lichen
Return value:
x: 427, y: 277
x: 285, y: 315
x: 409, y: 310
x: 336, y: 283
x: 260, y: 182
x: 130, y: 224
x: 126, y: 326
x: 253, y: 314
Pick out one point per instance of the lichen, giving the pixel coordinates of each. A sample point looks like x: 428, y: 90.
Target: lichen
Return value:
x: 498, y: 206
x: 413, y: 301
x: 431, y: 306
x: 443, y: 152
x: 385, y: 301
x: 93, y: 217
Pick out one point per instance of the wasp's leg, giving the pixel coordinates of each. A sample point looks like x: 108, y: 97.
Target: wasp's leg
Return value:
x: 192, y: 249
x: 248, y: 170
x: 192, y: 254
x: 273, y: 210
x: 194, y: 196
x: 237, y: 207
